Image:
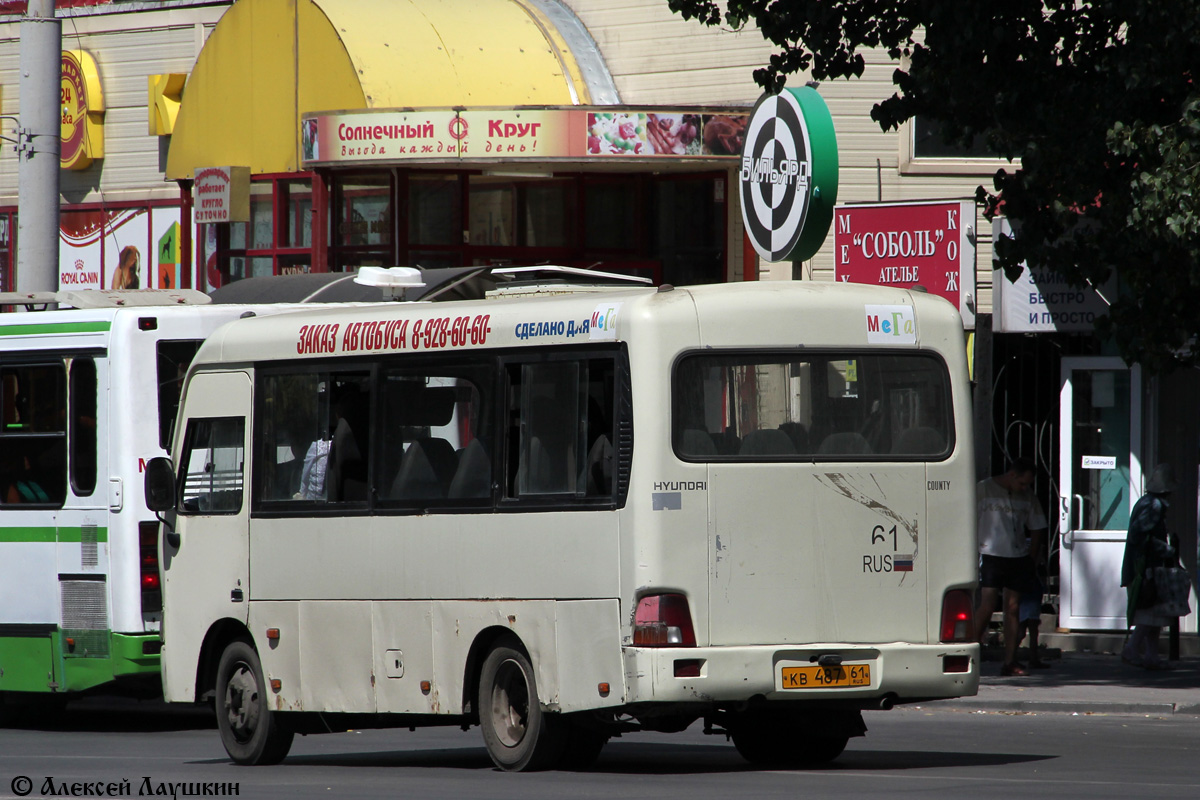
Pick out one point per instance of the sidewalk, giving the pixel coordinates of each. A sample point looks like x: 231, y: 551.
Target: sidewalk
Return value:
x: 1087, y: 683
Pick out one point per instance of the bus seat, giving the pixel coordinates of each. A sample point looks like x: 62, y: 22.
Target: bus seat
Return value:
x: 598, y: 472
x: 727, y: 442
x: 346, y: 476
x: 441, y: 457
x: 767, y: 442
x: 798, y: 433
x: 697, y: 443
x: 549, y: 466
x: 919, y: 441
x: 844, y: 443
x: 416, y: 479
x: 473, y: 478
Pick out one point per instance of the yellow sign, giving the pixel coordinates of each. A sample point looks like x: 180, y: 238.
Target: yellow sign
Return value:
x: 165, y: 97
x: 82, y: 129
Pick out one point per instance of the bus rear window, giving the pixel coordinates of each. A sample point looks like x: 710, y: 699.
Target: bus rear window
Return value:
x: 812, y: 407
x: 173, y: 360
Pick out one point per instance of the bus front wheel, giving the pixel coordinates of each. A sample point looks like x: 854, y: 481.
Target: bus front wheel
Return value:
x: 250, y: 732
x: 519, y: 735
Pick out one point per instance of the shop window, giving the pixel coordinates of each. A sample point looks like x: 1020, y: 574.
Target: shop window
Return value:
x: 362, y: 221
x: 548, y: 213
x: 609, y: 215
x: 536, y: 212
x: 434, y: 209
x: 276, y: 241
x: 493, y: 213
x: 435, y: 259
x: 689, y: 229
x: 363, y: 211
x: 262, y: 217
x: 298, y: 201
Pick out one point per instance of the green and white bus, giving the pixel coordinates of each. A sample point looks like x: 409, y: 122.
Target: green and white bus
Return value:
x: 88, y: 396
x: 567, y: 518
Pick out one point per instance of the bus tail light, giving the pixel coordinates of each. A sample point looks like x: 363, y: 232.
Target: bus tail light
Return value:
x: 958, y: 613
x: 148, y: 557
x: 663, y: 620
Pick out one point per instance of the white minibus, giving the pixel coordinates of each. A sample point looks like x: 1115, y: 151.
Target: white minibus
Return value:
x: 566, y: 518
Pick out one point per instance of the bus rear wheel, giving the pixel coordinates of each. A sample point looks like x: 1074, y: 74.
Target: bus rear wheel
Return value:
x: 249, y: 730
x: 519, y: 735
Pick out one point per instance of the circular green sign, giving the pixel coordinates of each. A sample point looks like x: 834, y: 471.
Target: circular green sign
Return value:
x: 789, y: 175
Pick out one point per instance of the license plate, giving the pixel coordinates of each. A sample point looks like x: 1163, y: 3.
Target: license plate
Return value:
x: 826, y: 677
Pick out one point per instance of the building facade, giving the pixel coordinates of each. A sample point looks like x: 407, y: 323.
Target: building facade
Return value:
x: 265, y: 137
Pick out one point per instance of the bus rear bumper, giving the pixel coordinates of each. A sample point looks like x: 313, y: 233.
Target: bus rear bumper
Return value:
x: 896, y: 673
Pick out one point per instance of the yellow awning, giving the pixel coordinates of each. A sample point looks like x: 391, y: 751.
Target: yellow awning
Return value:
x: 270, y: 61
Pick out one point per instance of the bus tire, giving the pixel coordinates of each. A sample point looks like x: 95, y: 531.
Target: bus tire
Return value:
x: 249, y: 729
x: 518, y: 734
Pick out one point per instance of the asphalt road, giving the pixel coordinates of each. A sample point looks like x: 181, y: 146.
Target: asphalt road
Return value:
x: 919, y: 752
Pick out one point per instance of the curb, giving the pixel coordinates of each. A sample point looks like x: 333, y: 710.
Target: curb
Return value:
x: 1066, y: 707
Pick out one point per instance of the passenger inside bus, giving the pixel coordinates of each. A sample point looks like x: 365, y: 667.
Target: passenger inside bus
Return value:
x: 347, y: 471
x: 23, y: 487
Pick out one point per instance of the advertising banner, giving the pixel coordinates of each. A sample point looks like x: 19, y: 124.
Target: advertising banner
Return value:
x: 221, y: 194
x: 1041, y: 301
x: 789, y: 175
x: 928, y: 244
x: 515, y: 134
x: 124, y: 248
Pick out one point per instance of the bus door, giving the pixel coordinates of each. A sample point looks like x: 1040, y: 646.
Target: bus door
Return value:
x: 85, y: 536
x: 206, y: 569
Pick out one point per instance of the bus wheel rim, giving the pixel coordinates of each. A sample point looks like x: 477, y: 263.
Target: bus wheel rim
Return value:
x: 510, y: 704
x: 242, y: 706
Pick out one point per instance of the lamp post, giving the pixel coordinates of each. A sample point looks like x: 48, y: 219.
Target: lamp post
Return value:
x: 38, y: 148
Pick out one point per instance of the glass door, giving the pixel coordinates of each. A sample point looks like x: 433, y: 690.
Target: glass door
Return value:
x: 1100, y: 477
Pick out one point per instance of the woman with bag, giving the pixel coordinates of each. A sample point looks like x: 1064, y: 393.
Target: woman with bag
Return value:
x: 1151, y: 574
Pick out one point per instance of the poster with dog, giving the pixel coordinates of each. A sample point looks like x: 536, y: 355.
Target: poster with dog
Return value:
x: 125, y: 248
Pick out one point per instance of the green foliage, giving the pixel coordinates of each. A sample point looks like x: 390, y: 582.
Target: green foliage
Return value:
x: 1098, y: 99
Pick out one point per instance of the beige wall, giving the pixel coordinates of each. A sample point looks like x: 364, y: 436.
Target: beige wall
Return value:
x: 128, y: 48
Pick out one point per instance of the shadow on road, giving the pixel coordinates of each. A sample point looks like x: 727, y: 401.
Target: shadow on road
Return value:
x: 633, y: 758
x: 104, y: 715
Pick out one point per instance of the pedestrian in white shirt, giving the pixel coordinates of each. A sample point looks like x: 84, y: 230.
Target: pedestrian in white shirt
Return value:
x: 1011, y: 525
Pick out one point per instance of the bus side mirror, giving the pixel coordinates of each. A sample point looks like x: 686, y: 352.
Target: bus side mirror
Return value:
x: 160, y: 485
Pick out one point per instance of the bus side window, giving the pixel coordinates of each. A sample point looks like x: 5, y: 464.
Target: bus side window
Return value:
x: 561, y: 416
x: 435, y: 435
x: 33, y: 439
x: 292, y: 437
x: 213, y: 459
x: 82, y: 427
